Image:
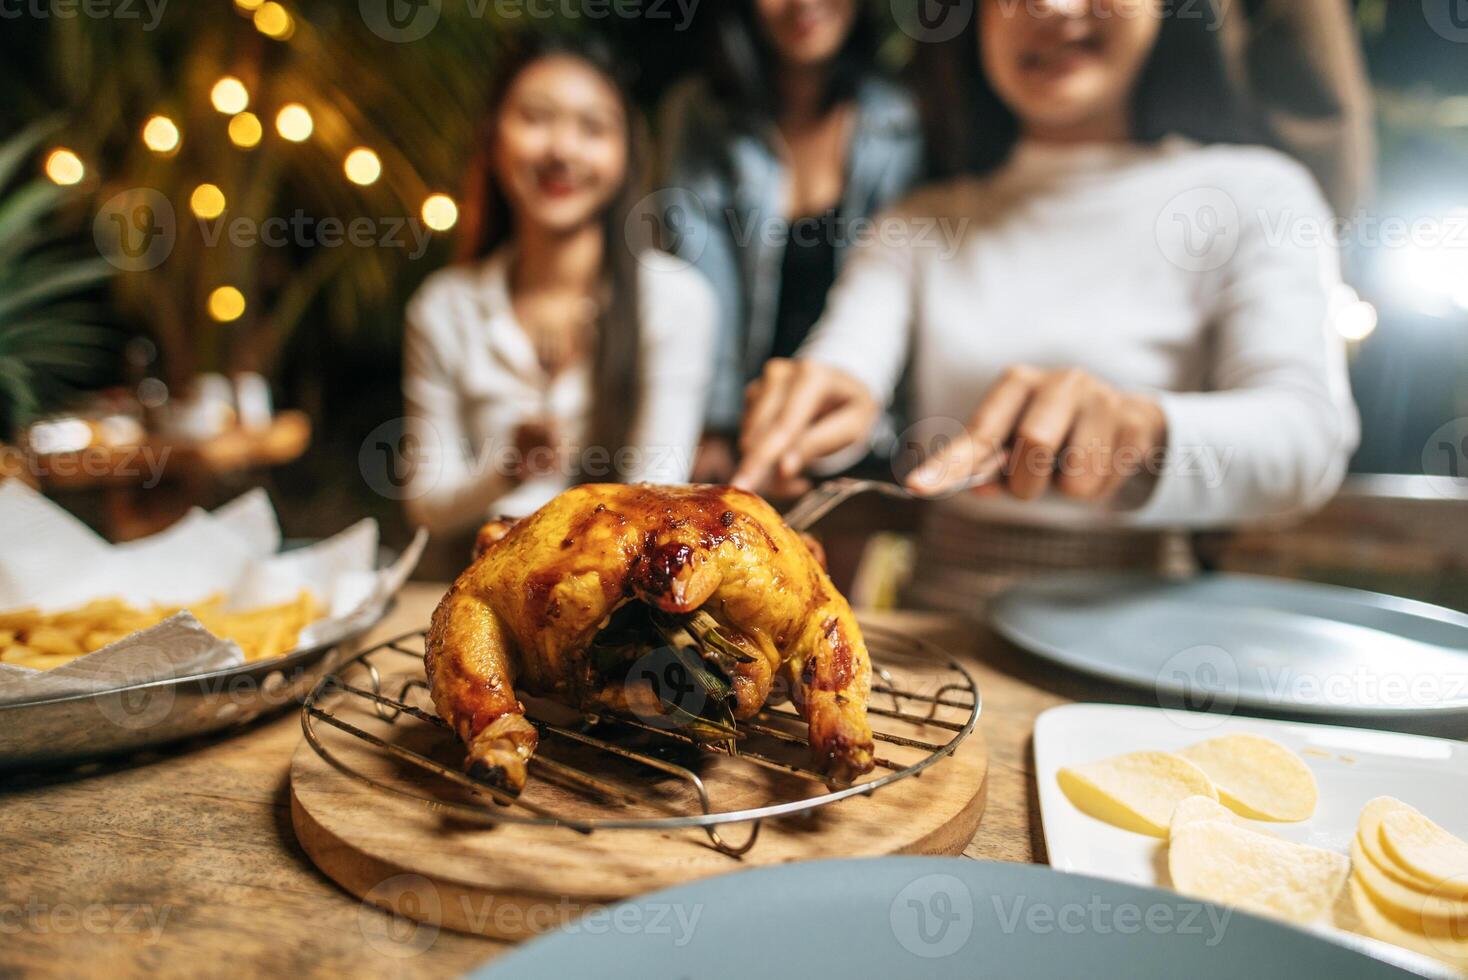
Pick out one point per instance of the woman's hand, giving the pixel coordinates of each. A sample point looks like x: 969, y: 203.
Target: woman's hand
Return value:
x: 1063, y: 427
x: 795, y: 413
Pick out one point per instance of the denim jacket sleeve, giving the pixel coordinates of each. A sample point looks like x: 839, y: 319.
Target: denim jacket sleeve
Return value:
x: 694, y: 197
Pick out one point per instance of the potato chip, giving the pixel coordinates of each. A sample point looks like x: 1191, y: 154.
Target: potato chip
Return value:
x: 1256, y: 776
x: 1407, y: 906
x: 1226, y: 863
x: 1137, y: 791
x: 1196, y: 808
x: 1368, y: 833
x: 1444, y: 946
x: 1426, y: 850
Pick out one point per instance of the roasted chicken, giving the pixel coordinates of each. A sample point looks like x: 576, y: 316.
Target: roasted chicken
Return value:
x: 550, y: 602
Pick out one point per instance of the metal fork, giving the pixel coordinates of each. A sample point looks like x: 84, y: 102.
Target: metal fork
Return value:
x: 821, y: 500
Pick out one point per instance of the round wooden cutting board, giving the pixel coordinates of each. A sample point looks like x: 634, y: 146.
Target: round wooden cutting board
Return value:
x: 512, y: 881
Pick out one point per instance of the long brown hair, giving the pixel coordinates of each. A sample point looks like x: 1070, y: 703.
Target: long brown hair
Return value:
x: 616, y: 369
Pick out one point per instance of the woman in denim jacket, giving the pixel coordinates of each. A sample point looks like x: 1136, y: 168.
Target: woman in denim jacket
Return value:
x: 776, y: 158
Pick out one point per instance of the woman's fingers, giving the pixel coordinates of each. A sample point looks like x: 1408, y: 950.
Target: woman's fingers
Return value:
x: 1065, y: 428
x: 967, y: 458
x: 764, y: 399
x: 847, y: 425
x: 1086, y: 462
x: 1141, y: 432
x: 783, y: 414
x: 1042, y: 431
x: 782, y: 430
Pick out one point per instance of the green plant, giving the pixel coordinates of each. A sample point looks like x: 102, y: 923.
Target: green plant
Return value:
x: 50, y: 343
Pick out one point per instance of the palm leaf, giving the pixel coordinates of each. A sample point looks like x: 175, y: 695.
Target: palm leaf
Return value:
x: 14, y: 151
x: 22, y: 211
x: 50, y: 344
x: 52, y: 282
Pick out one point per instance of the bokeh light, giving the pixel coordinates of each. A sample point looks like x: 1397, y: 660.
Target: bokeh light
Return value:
x: 160, y: 134
x: 362, y: 166
x: 229, y: 95
x: 440, y: 212
x: 207, y: 201
x: 273, y: 20
x: 226, y: 303
x: 245, y: 130
x: 65, y: 167
x: 294, y: 123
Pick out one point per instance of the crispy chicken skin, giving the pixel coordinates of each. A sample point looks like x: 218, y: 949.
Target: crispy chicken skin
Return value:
x: 523, y: 615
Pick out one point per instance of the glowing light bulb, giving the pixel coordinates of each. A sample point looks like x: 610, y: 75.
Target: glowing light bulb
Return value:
x: 245, y: 130
x: 440, y: 212
x: 65, y: 167
x: 160, y: 134
x: 226, y: 304
x: 248, y: 6
x: 362, y: 166
x: 229, y: 95
x: 294, y: 123
x: 207, y: 201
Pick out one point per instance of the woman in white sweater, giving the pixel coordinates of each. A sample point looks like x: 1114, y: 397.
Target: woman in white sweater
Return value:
x: 560, y: 349
x: 1129, y: 328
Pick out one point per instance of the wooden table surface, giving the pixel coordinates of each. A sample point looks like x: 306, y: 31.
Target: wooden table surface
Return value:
x: 184, y: 862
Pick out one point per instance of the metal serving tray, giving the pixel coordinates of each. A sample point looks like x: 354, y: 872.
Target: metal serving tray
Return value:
x: 81, y: 727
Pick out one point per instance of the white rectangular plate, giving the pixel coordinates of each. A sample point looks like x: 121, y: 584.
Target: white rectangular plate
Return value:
x: 1351, y: 766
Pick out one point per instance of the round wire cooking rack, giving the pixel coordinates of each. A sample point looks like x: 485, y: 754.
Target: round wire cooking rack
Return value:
x: 954, y: 694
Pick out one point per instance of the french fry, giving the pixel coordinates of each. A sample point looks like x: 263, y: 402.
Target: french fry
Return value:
x: 57, y: 640
x: 20, y: 619
x: 42, y: 641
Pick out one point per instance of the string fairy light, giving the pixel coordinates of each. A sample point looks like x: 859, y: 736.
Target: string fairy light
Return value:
x: 229, y: 95
x: 160, y: 134
x: 440, y: 212
x: 294, y: 122
x: 64, y: 167
x: 245, y: 130
x: 362, y: 166
x: 226, y: 304
x: 207, y: 201
x: 274, y: 21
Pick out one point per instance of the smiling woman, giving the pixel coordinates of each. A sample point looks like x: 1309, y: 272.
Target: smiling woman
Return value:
x: 561, y: 346
x: 1114, y: 313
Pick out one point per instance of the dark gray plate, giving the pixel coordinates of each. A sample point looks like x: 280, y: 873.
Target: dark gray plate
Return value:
x: 1222, y: 641
x: 911, y: 918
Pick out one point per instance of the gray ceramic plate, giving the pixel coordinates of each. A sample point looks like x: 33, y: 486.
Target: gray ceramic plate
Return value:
x: 1217, y: 642
x: 911, y: 918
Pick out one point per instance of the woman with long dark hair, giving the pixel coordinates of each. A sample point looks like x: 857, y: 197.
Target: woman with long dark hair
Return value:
x: 560, y: 347
x: 1133, y: 330
x: 775, y: 156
